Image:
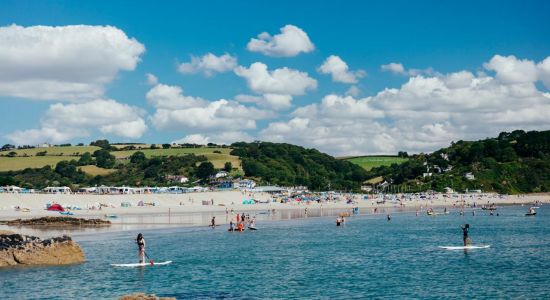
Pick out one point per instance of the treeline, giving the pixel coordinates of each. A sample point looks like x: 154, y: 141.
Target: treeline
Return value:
x: 514, y: 162
x: 290, y: 165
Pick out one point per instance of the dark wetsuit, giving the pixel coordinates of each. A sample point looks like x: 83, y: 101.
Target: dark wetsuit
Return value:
x: 465, y: 235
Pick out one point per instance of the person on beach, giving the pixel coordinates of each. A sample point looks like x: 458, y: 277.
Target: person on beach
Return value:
x: 231, y: 226
x: 141, y: 247
x: 213, y: 222
x: 465, y: 229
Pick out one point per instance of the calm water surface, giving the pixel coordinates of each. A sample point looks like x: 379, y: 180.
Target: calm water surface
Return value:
x: 311, y: 258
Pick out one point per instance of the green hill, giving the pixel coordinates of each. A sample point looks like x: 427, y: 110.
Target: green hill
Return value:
x: 369, y: 162
x: 516, y: 162
x: 291, y: 165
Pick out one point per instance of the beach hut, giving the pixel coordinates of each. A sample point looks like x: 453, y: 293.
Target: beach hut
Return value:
x: 56, y: 207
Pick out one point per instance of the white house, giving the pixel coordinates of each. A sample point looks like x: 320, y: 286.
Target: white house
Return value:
x: 221, y: 174
x: 469, y: 176
x: 247, y: 184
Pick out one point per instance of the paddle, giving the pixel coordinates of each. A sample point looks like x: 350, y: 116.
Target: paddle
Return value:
x: 150, y: 260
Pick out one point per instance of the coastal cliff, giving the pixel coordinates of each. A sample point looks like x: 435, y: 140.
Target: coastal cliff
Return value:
x: 17, y: 249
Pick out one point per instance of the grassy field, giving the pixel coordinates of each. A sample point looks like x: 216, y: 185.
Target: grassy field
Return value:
x: 170, y: 152
x: 369, y: 162
x: 69, y: 151
x: 57, y: 154
x: 93, y: 170
x: 20, y: 163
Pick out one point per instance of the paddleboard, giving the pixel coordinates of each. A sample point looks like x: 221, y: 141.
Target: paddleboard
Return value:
x: 464, y: 247
x: 145, y: 264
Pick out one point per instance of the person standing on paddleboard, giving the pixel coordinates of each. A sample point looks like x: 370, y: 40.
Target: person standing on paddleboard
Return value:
x: 465, y: 237
x: 141, y: 247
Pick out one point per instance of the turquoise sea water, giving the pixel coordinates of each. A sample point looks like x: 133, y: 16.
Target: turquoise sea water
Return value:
x: 312, y: 259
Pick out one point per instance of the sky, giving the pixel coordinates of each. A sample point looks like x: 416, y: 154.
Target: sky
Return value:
x: 345, y: 77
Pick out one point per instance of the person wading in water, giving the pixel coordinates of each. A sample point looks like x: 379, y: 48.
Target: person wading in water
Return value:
x: 141, y: 247
x: 465, y: 229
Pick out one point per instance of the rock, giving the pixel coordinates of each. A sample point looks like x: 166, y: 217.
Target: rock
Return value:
x: 18, y: 249
x: 57, y: 221
x: 142, y: 296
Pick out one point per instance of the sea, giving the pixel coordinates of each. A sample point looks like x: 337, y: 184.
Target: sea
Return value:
x: 370, y: 257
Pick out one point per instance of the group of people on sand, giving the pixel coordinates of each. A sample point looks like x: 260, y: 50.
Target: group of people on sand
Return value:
x: 242, y: 221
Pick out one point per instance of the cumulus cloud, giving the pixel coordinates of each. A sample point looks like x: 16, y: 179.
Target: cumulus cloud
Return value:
x: 509, y: 69
x: 272, y: 101
x: 209, y: 64
x: 174, y: 111
x: 63, y: 122
x: 171, y: 97
x: 224, y: 138
x: 151, y: 79
x: 425, y: 113
x: 64, y: 62
x: 339, y: 70
x: 283, y: 81
x: 290, y: 42
x: 399, y: 69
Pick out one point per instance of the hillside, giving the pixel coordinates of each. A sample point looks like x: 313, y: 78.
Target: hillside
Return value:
x: 291, y: 165
x: 516, y: 162
x: 21, y: 159
x: 369, y: 162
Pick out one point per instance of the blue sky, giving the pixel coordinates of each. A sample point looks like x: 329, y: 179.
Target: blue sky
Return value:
x: 461, y: 70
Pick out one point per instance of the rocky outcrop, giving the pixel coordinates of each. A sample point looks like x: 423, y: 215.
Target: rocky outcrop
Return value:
x: 17, y: 249
x: 142, y: 296
x: 57, y: 221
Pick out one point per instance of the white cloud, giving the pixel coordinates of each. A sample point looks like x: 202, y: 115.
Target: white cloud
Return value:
x: 283, y: 81
x: 339, y: 70
x: 64, y: 62
x: 399, y: 69
x: 209, y: 64
x: 353, y: 91
x: 225, y: 137
x: 171, y: 97
x: 424, y: 114
x: 544, y: 71
x: 290, y: 42
x: 509, y: 69
x: 63, y: 122
x: 396, y: 68
x: 151, y: 79
x: 272, y: 101
x: 174, y: 111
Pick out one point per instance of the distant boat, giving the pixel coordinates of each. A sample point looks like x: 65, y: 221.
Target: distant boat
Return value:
x: 111, y: 216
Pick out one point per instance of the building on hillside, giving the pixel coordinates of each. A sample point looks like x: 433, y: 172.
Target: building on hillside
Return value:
x: 246, y: 184
x: 427, y: 174
x: 44, y: 145
x: 221, y: 174
x: 177, y: 178
x: 448, y: 190
x: 366, y: 188
x: 469, y: 176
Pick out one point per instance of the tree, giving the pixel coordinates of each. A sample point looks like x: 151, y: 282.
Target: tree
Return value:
x: 153, y: 146
x: 138, y: 157
x: 85, y: 159
x: 228, y: 166
x: 104, y: 159
x: 166, y: 146
x: 403, y: 154
x: 12, y: 154
x: 103, y: 144
x: 205, y: 170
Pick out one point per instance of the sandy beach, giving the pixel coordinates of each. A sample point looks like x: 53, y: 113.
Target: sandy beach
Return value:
x: 198, y: 208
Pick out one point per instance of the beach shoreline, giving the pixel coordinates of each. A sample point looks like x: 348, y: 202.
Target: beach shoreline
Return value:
x: 187, y: 210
